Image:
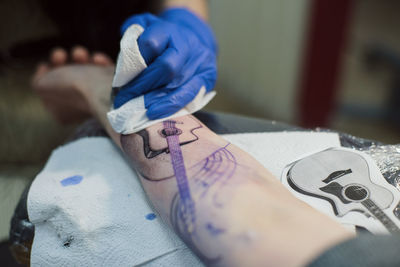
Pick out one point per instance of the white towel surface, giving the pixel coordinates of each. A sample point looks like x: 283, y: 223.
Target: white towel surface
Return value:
x: 89, y: 208
x: 131, y: 117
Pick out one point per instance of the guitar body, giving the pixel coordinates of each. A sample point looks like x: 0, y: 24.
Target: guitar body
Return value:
x: 186, y: 133
x: 344, y: 178
x: 155, y: 146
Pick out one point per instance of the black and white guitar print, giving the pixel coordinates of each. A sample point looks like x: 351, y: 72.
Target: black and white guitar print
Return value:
x: 343, y: 178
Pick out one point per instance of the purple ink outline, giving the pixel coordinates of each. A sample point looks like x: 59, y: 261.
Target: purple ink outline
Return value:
x: 216, y: 169
x: 187, y: 207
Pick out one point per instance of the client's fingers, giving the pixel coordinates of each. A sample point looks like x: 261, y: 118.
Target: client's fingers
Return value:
x: 41, y: 69
x: 80, y: 55
x: 58, y: 57
x: 101, y: 59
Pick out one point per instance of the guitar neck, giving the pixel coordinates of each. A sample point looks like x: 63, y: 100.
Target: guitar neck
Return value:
x: 381, y: 216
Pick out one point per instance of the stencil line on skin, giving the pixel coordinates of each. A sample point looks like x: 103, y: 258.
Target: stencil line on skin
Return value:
x: 214, y: 171
x: 187, y: 207
x: 208, y: 176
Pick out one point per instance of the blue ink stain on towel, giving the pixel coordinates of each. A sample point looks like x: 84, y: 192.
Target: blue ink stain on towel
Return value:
x: 73, y: 180
x: 151, y: 216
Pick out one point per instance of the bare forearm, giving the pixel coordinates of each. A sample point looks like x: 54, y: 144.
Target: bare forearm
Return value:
x: 199, y: 7
x: 222, y: 203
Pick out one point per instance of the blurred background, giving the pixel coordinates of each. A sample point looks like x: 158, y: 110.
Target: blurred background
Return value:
x: 313, y: 63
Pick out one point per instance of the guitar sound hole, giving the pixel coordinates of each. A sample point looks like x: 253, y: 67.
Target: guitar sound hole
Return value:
x: 170, y: 131
x: 356, y: 193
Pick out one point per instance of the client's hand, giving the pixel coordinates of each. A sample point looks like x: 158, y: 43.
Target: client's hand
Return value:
x: 64, y: 81
x: 180, y: 51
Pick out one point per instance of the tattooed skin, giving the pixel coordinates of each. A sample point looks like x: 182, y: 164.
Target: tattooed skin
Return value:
x: 196, y: 181
x: 221, y: 201
x: 208, y: 176
x: 202, y: 180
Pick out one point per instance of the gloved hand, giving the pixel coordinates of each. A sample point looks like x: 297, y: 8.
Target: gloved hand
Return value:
x: 180, y: 51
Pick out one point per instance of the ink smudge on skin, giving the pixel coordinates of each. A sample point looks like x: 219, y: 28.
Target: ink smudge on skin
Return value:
x: 73, y: 180
x: 151, y: 216
x: 214, y: 230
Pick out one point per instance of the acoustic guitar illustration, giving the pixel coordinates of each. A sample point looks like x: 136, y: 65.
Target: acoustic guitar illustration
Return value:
x: 154, y: 140
x: 342, y: 178
x: 185, y: 131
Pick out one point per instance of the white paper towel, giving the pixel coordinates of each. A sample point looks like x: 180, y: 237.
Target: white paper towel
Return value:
x: 89, y: 209
x: 131, y: 117
x: 275, y: 150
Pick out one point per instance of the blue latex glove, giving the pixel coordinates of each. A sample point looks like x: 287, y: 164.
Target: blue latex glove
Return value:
x: 180, y: 51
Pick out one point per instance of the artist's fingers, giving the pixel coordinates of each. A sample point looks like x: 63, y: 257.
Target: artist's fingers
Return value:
x: 155, y: 96
x: 159, y: 73
x: 58, y: 57
x: 101, y: 59
x: 153, y: 41
x: 161, y: 104
x: 80, y: 55
x: 200, y: 64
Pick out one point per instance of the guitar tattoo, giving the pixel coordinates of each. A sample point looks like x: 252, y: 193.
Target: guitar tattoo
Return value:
x: 342, y: 178
x: 150, y: 153
x: 207, y: 176
x: 155, y: 147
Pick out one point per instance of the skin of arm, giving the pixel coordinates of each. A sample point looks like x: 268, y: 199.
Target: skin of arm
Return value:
x: 227, y: 208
